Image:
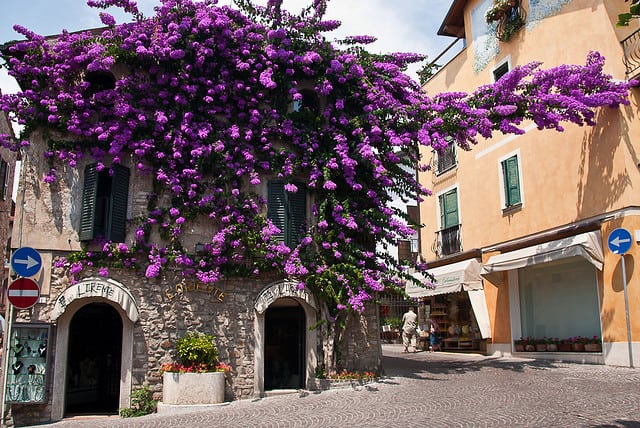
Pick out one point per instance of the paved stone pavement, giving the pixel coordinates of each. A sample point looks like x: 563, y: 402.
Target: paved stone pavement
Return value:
x: 434, y: 390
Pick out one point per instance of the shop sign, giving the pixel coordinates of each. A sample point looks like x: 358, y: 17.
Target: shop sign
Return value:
x: 282, y: 289
x: 192, y: 285
x: 97, y: 287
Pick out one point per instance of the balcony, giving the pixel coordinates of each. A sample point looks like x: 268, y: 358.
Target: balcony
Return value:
x: 448, y: 241
x: 631, y: 48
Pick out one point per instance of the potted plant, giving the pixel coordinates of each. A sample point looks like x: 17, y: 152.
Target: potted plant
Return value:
x: 198, y: 377
x: 541, y: 344
x: 518, y: 345
x: 577, y: 343
x: 529, y: 344
x: 565, y: 345
x: 553, y: 344
x: 593, y: 344
x: 499, y: 9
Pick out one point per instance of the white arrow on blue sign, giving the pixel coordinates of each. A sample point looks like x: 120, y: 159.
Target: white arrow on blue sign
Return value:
x: 619, y: 241
x: 26, y: 261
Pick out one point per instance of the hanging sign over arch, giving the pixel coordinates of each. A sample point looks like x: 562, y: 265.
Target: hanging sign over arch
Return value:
x: 285, y: 288
x: 97, y: 287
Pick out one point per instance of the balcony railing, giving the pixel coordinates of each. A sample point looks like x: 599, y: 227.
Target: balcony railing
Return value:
x: 449, y: 241
x: 631, y: 48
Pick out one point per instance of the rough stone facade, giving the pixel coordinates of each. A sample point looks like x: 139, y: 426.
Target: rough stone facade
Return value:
x: 168, y: 307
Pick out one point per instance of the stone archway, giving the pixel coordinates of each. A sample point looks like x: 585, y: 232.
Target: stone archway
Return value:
x: 284, y: 289
x: 75, y: 297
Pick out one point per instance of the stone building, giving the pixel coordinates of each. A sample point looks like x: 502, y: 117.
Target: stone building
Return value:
x: 90, y: 341
x: 110, y: 335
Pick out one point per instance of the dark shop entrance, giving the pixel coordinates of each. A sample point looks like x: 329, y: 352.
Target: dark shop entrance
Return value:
x: 285, y: 332
x: 93, y: 361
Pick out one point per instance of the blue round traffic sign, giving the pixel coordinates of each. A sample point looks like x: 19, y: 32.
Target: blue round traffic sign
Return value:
x: 26, y: 261
x: 619, y: 241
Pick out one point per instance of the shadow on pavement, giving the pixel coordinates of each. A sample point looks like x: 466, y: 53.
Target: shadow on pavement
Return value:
x: 422, y: 364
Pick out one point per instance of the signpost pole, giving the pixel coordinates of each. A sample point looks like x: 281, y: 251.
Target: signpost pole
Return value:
x: 626, y: 308
x: 619, y: 242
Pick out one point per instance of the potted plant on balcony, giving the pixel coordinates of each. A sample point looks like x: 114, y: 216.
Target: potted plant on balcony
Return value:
x: 198, y: 377
x: 499, y: 9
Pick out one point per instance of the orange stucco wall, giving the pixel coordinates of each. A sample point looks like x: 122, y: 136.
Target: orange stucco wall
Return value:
x: 581, y: 173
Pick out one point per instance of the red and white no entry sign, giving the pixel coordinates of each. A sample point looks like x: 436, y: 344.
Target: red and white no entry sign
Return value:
x: 23, y: 293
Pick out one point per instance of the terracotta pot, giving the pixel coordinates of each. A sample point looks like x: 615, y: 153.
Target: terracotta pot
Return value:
x: 518, y: 348
x: 541, y: 347
x: 530, y: 348
x: 577, y: 347
x: 565, y: 347
x: 592, y: 347
x: 552, y: 347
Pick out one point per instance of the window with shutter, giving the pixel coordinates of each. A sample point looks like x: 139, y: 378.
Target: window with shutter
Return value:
x: 287, y: 211
x: 449, y: 209
x: 4, y: 179
x: 104, y: 203
x: 511, y: 178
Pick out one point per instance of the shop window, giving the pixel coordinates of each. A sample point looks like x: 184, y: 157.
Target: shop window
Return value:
x: 511, y: 182
x: 449, y: 234
x: 104, y: 203
x: 287, y: 211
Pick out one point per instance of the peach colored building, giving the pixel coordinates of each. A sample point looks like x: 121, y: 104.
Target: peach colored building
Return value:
x: 518, y: 230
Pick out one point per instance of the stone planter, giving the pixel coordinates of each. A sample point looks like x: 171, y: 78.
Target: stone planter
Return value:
x: 541, y: 347
x: 565, y: 347
x: 552, y: 347
x: 530, y: 348
x: 193, y: 388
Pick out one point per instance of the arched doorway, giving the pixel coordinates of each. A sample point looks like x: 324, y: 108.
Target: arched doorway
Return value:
x: 285, y: 345
x: 93, y: 361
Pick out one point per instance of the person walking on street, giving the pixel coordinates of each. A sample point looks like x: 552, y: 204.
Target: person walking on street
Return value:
x: 434, y: 331
x: 409, y: 333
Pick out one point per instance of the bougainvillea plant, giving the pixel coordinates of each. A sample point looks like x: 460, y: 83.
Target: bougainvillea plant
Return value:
x: 205, y: 105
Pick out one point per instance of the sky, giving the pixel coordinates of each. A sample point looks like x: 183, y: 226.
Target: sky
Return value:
x: 399, y: 25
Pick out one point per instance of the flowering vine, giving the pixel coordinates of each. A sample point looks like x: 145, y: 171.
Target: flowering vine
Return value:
x: 215, y: 101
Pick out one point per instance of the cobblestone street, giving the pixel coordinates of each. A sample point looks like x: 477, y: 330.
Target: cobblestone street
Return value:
x: 435, y: 390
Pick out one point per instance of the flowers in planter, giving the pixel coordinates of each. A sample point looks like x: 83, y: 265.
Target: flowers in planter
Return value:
x: 198, y: 354
x: 499, y: 9
x: 347, y: 375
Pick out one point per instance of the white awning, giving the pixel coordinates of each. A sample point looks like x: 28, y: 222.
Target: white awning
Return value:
x: 464, y: 275
x: 455, y: 277
x: 587, y: 245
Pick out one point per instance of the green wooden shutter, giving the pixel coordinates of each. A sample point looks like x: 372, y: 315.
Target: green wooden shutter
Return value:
x: 119, y: 201
x: 276, y: 208
x: 449, y: 209
x: 87, y: 211
x: 511, y: 181
x: 296, y: 215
